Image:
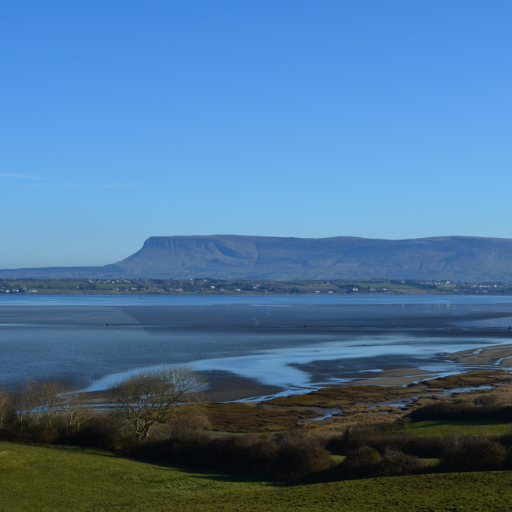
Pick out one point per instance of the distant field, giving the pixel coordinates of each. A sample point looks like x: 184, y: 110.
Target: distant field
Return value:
x: 449, y: 427
x: 65, y: 479
x: 237, y: 287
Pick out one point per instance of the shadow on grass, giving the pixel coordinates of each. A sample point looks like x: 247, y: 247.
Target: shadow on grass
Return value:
x: 191, y: 472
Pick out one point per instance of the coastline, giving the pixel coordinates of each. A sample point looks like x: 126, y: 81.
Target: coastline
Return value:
x: 226, y: 387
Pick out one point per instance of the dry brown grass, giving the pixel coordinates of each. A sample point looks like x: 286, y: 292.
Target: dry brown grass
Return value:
x: 240, y: 417
x: 470, y: 379
x: 292, y: 412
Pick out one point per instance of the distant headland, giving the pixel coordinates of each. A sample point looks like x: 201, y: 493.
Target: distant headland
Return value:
x: 454, y: 258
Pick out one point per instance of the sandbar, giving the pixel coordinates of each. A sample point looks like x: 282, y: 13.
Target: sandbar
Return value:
x: 395, y: 377
x: 484, y: 356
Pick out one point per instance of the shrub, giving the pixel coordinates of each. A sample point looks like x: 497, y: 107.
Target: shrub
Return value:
x: 102, y: 432
x: 397, y: 463
x: 454, y: 411
x: 350, y: 441
x: 420, y: 446
x: 188, y: 425
x: 363, y: 462
x: 487, y: 401
x: 356, y: 437
x: 299, y: 456
x: 288, y: 457
x: 427, y: 447
x: 475, y: 454
x: 506, y: 439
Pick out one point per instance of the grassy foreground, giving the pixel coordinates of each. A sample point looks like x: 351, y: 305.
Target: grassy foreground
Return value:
x: 54, y: 478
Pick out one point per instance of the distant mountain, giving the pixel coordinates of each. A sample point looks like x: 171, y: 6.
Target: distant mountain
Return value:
x: 253, y: 257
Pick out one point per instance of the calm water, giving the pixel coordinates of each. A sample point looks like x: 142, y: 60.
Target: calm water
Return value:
x: 292, y: 342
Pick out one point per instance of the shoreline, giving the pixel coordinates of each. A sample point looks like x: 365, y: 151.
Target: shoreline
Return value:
x: 227, y: 387
x: 500, y: 355
x: 248, y: 294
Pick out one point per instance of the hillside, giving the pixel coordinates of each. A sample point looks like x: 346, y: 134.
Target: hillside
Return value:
x: 53, y: 478
x: 230, y: 256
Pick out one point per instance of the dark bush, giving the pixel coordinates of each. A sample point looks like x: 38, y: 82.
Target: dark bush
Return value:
x: 362, y: 463
x: 350, y: 441
x: 356, y: 437
x: 12, y: 436
x: 474, y: 454
x: 104, y: 432
x: 454, y: 411
x: 397, y: 463
x: 427, y: 447
x: 506, y: 439
x: 288, y: 457
x: 299, y: 456
x: 487, y: 401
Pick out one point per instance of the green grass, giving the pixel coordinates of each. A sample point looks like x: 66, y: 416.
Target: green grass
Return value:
x: 378, y: 285
x: 65, y: 479
x: 452, y: 427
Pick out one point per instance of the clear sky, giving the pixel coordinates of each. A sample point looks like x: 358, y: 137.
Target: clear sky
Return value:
x: 121, y: 120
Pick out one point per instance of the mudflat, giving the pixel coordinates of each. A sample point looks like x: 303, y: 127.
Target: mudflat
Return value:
x: 255, y: 348
x: 498, y: 354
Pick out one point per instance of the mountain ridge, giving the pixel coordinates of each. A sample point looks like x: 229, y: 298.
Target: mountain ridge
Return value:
x: 461, y: 258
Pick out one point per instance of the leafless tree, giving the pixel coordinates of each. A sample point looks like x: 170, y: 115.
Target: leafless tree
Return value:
x: 24, y: 401
x: 6, y: 406
x: 156, y: 396
x: 51, y: 401
x: 38, y: 403
x: 74, y: 410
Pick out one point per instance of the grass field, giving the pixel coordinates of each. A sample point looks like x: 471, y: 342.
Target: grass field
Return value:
x: 64, y: 479
x: 452, y: 427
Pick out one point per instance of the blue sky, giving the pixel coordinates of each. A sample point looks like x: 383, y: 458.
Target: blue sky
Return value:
x: 122, y: 120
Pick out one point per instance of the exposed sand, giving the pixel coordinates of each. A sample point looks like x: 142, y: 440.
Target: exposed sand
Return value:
x: 222, y: 388
x: 227, y: 387
x: 486, y: 355
x: 396, y: 377
x: 234, y: 387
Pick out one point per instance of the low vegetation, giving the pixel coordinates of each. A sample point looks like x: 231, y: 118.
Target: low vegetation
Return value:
x: 158, y: 422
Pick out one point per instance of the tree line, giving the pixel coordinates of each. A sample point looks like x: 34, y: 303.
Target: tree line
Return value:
x: 139, y: 403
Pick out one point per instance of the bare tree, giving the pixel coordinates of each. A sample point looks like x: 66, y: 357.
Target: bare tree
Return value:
x: 155, y: 396
x: 51, y: 400
x: 38, y: 403
x: 6, y: 406
x: 24, y: 402
x: 74, y: 410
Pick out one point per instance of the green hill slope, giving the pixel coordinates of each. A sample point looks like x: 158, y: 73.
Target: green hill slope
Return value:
x: 66, y: 479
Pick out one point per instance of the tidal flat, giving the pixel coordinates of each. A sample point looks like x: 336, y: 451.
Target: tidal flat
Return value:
x: 252, y: 347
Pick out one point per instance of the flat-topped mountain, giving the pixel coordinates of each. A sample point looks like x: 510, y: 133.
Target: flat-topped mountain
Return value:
x: 254, y: 257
